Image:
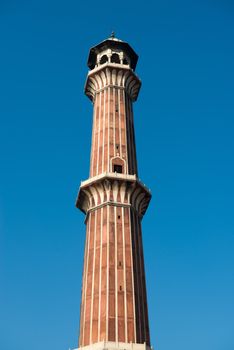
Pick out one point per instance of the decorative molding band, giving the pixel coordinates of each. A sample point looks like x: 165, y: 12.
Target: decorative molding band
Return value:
x: 115, y: 204
x: 115, y: 75
x: 121, y: 190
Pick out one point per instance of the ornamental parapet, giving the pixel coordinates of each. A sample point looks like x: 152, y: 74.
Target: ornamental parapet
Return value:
x: 112, y: 75
x: 113, y: 189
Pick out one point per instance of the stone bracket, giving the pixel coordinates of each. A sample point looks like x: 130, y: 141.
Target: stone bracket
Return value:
x: 115, y: 189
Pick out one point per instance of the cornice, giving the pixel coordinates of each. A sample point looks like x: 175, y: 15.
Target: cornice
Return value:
x: 112, y: 75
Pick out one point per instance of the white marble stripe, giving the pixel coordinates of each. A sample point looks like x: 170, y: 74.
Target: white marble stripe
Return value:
x: 103, y: 131
x: 114, y: 126
x: 129, y: 136
x: 145, y: 291
x: 93, y: 138
x: 107, y: 272
x: 133, y: 140
x: 97, y: 150
x: 137, y: 273
x: 141, y: 272
x: 124, y: 273
x: 116, y: 278
x: 86, y: 277
x: 100, y: 277
x: 92, y: 293
x: 132, y: 267
x: 120, y: 134
x: 108, y: 141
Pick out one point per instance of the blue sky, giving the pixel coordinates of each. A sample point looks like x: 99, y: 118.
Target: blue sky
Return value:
x: 184, y: 121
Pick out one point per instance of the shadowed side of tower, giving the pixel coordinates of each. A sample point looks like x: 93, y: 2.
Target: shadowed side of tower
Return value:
x: 114, y: 302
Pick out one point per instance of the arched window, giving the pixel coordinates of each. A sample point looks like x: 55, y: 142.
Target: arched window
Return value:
x: 104, y: 59
x: 115, y: 58
x: 125, y: 61
x: 118, y: 165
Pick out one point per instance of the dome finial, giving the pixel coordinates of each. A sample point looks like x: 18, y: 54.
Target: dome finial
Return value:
x: 112, y: 34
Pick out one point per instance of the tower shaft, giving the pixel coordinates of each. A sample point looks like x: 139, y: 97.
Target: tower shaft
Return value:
x: 113, y: 139
x: 114, y: 301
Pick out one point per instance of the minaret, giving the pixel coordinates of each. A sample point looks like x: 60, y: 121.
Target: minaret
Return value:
x: 114, y: 311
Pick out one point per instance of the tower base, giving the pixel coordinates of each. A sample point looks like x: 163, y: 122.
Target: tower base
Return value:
x: 109, y: 345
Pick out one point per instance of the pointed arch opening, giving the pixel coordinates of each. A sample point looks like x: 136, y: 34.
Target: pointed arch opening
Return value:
x: 118, y: 165
x: 103, y: 59
x: 115, y: 58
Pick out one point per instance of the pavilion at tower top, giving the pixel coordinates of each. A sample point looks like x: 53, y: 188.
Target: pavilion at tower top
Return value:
x: 112, y: 50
